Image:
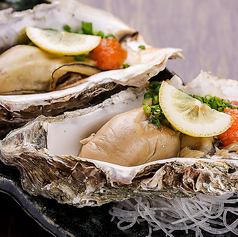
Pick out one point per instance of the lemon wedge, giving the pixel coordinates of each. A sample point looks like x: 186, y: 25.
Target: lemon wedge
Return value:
x: 189, y: 115
x: 64, y: 43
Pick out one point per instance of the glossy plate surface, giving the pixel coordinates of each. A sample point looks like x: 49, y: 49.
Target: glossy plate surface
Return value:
x: 61, y: 219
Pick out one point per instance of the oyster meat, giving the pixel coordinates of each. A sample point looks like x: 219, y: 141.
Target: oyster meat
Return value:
x: 130, y: 139
x: 17, y: 109
x: 45, y: 151
x: 28, y: 76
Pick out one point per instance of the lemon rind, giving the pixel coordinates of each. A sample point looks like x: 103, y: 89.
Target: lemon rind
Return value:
x: 221, y: 121
x: 37, y: 36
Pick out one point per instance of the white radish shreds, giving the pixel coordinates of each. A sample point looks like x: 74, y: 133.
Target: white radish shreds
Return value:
x: 202, y: 212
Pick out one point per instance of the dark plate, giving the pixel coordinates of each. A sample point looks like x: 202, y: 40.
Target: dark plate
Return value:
x: 62, y: 219
x: 66, y: 220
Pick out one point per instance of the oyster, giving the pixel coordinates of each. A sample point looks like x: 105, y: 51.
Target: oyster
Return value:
x: 130, y: 139
x: 16, y: 110
x: 45, y: 151
x: 31, y: 77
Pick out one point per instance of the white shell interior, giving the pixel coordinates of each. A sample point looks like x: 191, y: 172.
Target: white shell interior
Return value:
x: 64, y: 135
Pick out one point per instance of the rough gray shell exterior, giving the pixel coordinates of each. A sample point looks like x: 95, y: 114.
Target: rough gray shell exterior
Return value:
x: 83, y: 182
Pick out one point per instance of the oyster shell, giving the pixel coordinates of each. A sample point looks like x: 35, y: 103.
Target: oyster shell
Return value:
x: 16, y: 110
x: 45, y: 151
x: 207, y: 84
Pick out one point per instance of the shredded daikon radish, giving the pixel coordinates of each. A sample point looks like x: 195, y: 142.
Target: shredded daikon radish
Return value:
x: 202, y: 212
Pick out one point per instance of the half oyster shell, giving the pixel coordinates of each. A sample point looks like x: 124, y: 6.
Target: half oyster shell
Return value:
x: 45, y: 151
x: 16, y: 110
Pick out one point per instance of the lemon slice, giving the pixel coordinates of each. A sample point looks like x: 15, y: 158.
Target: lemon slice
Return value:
x: 189, y: 115
x: 59, y: 42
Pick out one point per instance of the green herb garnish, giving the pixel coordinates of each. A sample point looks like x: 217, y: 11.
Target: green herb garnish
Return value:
x: 126, y: 65
x: 215, y: 102
x: 109, y: 35
x: 67, y: 28
x: 100, y: 33
x: 80, y: 57
x: 87, y: 28
x: 142, y: 46
x: 31, y: 44
x: 152, y: 107
x: 148, y: 94
x: 151, y: 104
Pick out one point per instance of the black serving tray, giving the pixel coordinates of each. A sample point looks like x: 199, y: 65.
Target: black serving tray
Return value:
x: 62, y: 219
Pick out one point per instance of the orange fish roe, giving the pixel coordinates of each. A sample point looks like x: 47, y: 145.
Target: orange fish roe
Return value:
x: 231, y: 134
x: 234, y: 103
x: 109, y: 54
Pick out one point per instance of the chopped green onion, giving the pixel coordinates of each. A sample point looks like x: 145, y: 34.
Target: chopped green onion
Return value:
x: 147, y: 109
x: 142, y: 47
x: 31, y: 44
x: 148, y: 94
x: 109, y: 36
x: 53, y: 29
x: 154, y: 84
x: 100, y: 33
x: 67, y: 28
x: 214, y: 102
x: 80, y: 57
x: 87, y: 28
x: 126, y: 65
x: 156, y: 121
x: 147, y: 101
x: 155, y: 99
x: 157, y: 89
x: 77, y: 32
x: 151, y: 103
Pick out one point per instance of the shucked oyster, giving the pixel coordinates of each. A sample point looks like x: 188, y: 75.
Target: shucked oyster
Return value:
x: 16, y: 110
x: 45, y: 151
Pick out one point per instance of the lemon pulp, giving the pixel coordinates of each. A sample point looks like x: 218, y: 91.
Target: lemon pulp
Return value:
x: 189, y: 115
x: 60, y: 42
